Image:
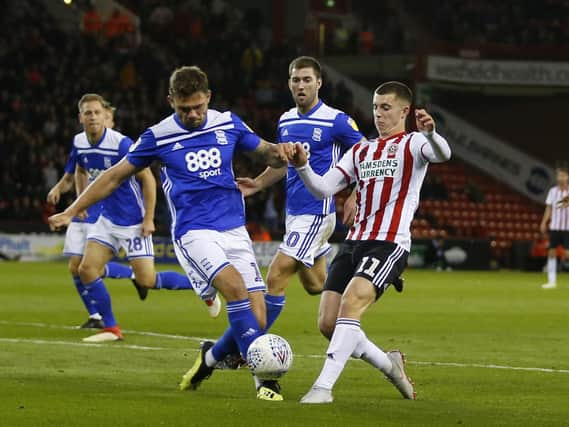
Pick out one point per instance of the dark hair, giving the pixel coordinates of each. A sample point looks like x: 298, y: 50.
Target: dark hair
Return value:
x: 88, y: 97
x: 306, y: 62
x: 399, y: 89
x: 187, y: 80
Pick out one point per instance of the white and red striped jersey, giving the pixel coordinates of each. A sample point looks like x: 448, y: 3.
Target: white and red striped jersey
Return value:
x: 559, y: 216
x: 388, y: 173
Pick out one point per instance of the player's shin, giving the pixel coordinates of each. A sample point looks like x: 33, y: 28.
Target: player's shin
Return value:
x: 344, y: 341
x: 275, y: 304
x: 243, y: 324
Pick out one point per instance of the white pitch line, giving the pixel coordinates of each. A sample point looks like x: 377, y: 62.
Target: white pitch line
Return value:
x: 128, y: 331
x: 77, y: 344
x: 312, y: 356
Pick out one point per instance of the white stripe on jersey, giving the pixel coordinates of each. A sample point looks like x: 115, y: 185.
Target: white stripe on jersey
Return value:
x: 167, y: 187
x: 137, y: 191
x: 559, y: 216
x: 386, y: 204
x: 98, y: 151
x: 306, y: 122
x: 193, y: 134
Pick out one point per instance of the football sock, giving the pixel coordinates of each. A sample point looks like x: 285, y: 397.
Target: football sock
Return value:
x: 275, y: 304
x: 344, y: 341
x: 84, y: 294
x: 115, y: 270
x: 372, y: 354
x: 172, y: 280
x: 243, y: 324
x: 101, y: 299
x: 223, y: 346
x: 552, y: 269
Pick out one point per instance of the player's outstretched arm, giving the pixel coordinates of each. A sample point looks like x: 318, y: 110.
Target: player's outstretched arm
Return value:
x: 104, y: 185
x: 148, y: 182
x: 438, y: 150
x: 64, y: 185
x: 320, y: 186
x: 274, y: 155
x: 268, y: 177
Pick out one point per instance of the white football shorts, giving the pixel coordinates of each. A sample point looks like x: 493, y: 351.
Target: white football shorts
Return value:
x: 204, y: 253
x: 306, y: 237
x: 75, y: 238
x: 116, y: 236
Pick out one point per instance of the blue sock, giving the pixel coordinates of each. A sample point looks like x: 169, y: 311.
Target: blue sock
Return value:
x: 243, y: 324
x: 172, y: 280
x: 101, y: 300
x: 275, y: 304
x: 115, y: 270
x: 225, y: 345
x: 84, y: 294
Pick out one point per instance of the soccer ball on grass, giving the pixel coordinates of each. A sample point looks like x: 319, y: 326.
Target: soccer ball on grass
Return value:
x: 269, y: 357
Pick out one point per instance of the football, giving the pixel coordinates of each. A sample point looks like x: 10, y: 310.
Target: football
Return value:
x: 269, y: 357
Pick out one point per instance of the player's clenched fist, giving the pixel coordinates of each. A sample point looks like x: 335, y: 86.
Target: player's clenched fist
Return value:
x: 298, y: 157
x: 59, y: 221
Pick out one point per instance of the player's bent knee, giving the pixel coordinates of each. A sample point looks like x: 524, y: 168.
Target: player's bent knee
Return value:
x: 313, y: 289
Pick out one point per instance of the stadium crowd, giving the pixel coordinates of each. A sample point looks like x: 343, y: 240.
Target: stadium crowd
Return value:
x: 46, y: 70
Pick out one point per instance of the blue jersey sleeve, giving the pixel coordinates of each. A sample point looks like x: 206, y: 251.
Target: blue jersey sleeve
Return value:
x: 142, y: 152
x: 346, y: 131
x: 248, y: 140
x: 124, y: 146
x: 71, y: 161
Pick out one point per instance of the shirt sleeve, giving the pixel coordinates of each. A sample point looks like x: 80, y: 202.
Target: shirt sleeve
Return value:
x: 346, y: 166
x: 71, y: 161
x: 432, y: 147
x: 124, y: 146
x: 346, y: 131
x: 550, y: 200
x: 143, y: 151
x: 248, y: 140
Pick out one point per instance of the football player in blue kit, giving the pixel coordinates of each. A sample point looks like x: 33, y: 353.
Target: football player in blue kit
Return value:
x: 126, y: 217
x: 195, y: 146
x: 326, y: 134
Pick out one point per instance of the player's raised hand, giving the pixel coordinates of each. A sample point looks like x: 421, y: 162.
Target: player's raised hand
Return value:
x: 59, y: 220
x: 424, y: 120
x: 247, y: 186
x: 298, y: 157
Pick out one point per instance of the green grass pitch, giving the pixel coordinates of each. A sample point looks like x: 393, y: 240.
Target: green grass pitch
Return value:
x: 484, y: 348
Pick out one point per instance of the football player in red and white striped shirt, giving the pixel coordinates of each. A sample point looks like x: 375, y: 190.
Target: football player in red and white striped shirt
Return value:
x: 557, y: 215
x: 388, y: 174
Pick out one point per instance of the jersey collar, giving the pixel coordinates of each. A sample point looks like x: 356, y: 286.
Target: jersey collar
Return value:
x: 312, y: 110
x: 179, y: 123
x: 397, y: 135
x: 100, y: 139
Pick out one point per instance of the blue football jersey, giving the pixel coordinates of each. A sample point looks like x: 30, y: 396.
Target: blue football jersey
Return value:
x: 197, y: 169
x: 94, y: 210
x: 125, y: 206
x: 326, y: 134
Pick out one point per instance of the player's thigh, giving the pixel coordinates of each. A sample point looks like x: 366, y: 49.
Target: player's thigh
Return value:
x: 328, y: 312
x: 239, y: 250
x: 144, y: 271
x: 358, y: 296
x: 312, y: 279
x: 306, y: 237
x: 282, y: 267
x: 203, y: 256
x: 380, y: 262
x: 94, y: 259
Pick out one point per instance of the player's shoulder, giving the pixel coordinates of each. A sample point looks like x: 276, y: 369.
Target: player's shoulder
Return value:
x: 218, y: 118
x: 326, y: 112
x: 113, y: 139
x: 166, y: 127
x: 80, y: 140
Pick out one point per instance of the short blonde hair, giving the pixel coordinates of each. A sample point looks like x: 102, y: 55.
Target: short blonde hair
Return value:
x: 88, y: 97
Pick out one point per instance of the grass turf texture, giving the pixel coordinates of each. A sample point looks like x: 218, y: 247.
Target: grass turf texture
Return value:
x: 475, y: 320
